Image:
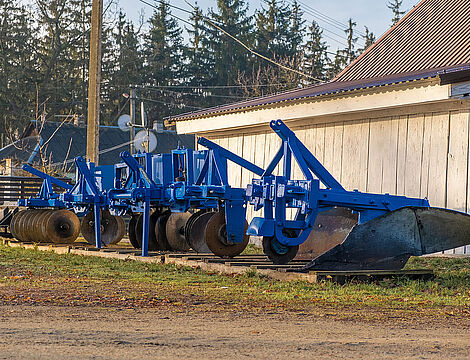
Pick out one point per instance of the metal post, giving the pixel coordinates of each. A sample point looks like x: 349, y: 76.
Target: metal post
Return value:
x: 133, y: 96
x: 93, y: 126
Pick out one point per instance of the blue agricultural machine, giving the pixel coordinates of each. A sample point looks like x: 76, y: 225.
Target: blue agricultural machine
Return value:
x: 183, y: 200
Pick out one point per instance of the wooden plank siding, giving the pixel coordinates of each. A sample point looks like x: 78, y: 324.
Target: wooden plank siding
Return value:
x: 418, y: 155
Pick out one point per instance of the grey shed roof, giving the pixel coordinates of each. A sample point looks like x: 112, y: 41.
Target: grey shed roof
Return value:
x: 112, y: 142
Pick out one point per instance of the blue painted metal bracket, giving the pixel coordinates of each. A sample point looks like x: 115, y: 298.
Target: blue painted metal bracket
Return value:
x: 278, y: 193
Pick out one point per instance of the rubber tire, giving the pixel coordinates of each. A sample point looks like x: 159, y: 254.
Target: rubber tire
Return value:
x: 278, y: 259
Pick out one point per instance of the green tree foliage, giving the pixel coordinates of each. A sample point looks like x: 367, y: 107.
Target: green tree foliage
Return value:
x: 315, y: 58
x: 44, y: 57
x: 18, y: 68
x: 163, y: 52
x: 227, y: 59
x: 369, y: 39
x: 395, y: 6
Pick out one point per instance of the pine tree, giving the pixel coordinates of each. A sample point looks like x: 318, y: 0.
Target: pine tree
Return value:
x: 18, y: 68
x: 369, y: 39
x: 274, y: 30
x: 349, y: 53
x: 197, y: 69
x: 296, y: 33
x: 314, y: 53
x: 227, y: 59
x: 125, y: 66
x: 395, y: 6
x: 163, y: 50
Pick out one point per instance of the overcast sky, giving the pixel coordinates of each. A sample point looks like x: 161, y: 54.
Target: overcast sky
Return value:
x: 372, y: 13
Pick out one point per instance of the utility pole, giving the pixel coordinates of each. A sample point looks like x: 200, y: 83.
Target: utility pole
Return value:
x: 132, y: 98
x: 93, y: 124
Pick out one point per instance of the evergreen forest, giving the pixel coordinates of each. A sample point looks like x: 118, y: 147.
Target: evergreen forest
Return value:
x: 176, y: 65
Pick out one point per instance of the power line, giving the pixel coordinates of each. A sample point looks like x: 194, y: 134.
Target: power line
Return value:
x: 339, y: 25
x: 208, y: 20
x: 306, y: 11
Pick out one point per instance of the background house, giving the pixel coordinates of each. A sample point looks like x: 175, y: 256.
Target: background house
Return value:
x: 61, y: 143
x: 395, y: 121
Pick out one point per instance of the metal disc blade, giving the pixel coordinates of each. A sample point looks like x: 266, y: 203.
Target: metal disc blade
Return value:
x: 131, y: 232
x: 152, y: 244
x: 38, y: 224
x: 175, y: 226
x: 14, y: 224
x: 388, y: 241
x: 111, y: 229
x: 330, y: 229
x: 160, y: 232
x: 196, y: 234
x: 216, y: 237
x: 121, y: 229
x: 62, y: 227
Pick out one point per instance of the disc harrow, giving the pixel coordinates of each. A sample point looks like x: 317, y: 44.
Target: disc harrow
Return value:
x: 183, y: 200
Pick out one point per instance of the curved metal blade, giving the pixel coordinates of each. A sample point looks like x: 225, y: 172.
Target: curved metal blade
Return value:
x: 330, y: 229
x: 388, y: 241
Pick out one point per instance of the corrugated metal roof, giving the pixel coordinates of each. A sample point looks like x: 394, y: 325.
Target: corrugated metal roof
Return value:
x: 436, y: 33
x: 330, y: 88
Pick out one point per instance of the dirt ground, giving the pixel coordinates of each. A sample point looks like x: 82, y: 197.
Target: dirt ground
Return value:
x: 54, y: 332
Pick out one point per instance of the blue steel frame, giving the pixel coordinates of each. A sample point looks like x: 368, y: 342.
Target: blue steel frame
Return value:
x: 278, y: 193
x: 187, y: 179
x: 197, y: 180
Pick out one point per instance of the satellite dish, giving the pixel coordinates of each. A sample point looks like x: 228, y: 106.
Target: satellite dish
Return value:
x: 141, y: 140
x: 123, y: 122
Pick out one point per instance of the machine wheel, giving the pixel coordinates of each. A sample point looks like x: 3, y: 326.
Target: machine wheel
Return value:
x: 160, y: 232
x: 278, y: 253
x: 195, y: 231
x: 62, y: 227
x: 216, y: 237
x: 113, y: 228
x: 132, y: 233
x: 174, y: 230
x: 153, y: 244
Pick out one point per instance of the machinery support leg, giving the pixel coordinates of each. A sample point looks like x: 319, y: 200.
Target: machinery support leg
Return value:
x: 146, y: 226
x: 97, y: 211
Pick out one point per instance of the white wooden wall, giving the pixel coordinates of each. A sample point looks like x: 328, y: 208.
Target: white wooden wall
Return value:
x: 421, y: 155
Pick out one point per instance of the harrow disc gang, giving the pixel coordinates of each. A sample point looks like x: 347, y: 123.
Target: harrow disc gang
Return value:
x: 57, y: 226
x: 174, y: 230
x: 113, y: 228
x: 216, y: 237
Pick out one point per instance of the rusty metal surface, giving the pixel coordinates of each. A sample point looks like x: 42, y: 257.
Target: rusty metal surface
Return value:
x: 330, y: 229
x: 216, y: 237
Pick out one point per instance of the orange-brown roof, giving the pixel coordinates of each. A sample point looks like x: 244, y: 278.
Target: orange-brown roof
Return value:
x: 435, y: 34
